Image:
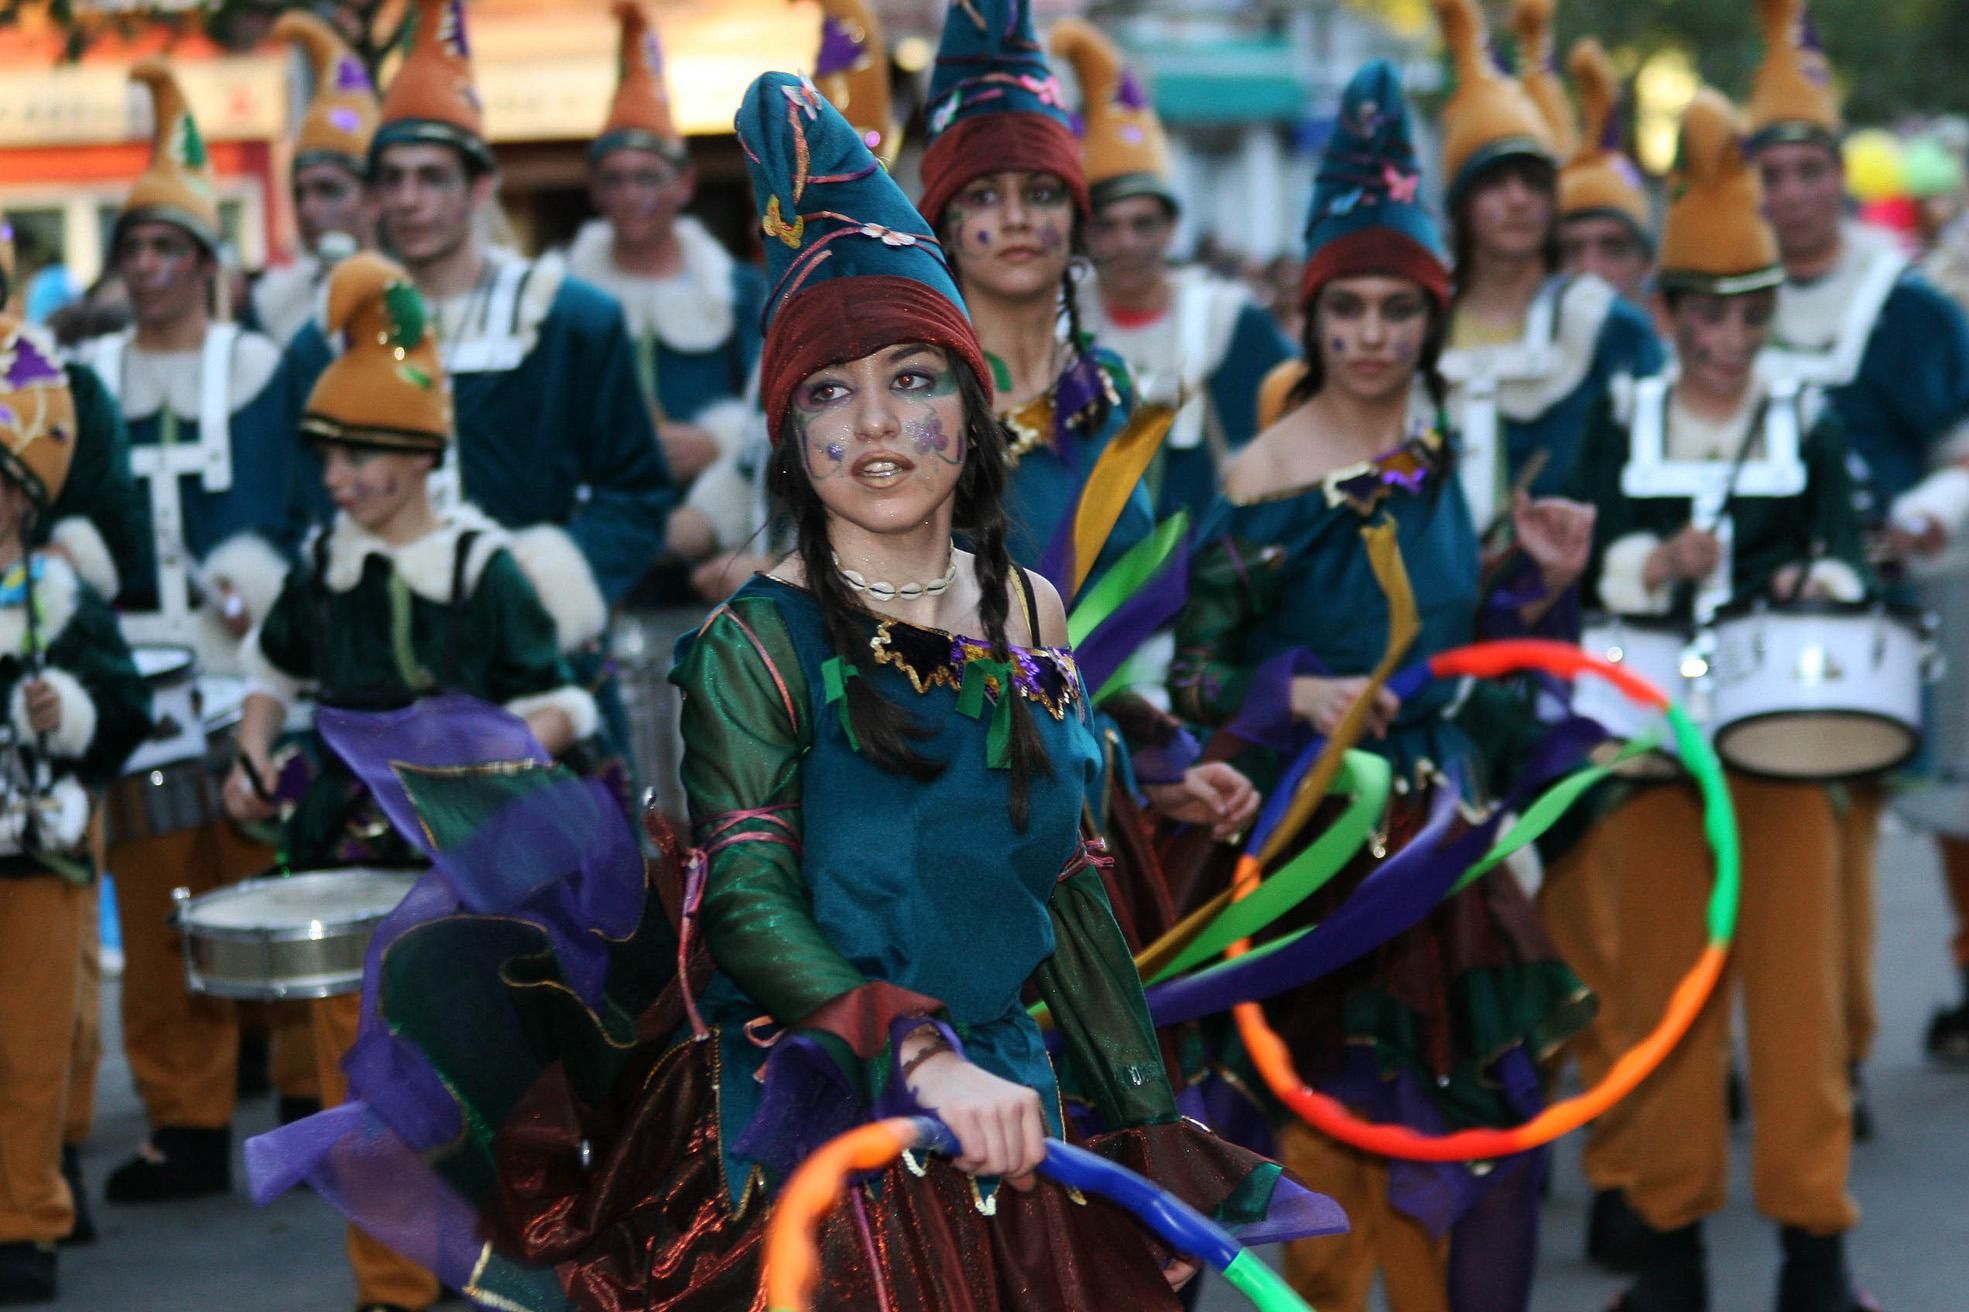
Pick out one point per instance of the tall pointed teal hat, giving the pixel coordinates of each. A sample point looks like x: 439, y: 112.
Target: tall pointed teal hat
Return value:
x: 994, y: 106
x: 1367, y: 215
x: 851, y: 265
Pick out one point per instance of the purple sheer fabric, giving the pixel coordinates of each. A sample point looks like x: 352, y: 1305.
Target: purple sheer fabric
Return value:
x: 558, y: 859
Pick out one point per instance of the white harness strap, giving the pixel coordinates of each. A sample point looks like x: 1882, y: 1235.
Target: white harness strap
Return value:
x: 1837, y: 362
x: 1479, y: 374
x: 1192, y: 365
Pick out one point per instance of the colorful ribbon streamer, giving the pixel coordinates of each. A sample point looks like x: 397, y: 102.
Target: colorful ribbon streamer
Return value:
x: 1490, y: 660
x: 792, y: 1266
x: 1111, y: 482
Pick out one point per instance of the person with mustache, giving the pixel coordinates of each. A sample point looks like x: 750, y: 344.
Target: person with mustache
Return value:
x: 1792, y: 534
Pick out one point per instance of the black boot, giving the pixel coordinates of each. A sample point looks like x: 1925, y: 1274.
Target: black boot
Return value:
x: 1815, y: 1277
x: 1948, y: 1031
x: 189, y: 1163
x: 1616, y: 1238
x: 27, y: 1274
x: 84, y: 1231
x: 1674, y: 1274
x: 253, y: 1077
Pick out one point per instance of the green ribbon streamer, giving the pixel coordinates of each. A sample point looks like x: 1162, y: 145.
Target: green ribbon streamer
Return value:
x: 1546, y: 810
x: 971, y: 702
x: 1129, y: 575
x: 1369, y: 778
x: 834, y: 676
x: 1265, y: 1287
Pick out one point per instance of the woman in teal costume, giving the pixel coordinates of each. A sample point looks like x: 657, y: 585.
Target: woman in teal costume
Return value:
x: 892, y: 853
x: 1286, y: 619
x: 1005, y: 189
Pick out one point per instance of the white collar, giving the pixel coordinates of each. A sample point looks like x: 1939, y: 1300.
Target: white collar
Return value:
x: 692, y: 312
x: 426, y: 564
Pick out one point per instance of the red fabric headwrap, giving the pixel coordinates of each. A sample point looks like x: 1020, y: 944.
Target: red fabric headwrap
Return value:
x: 1000, y: 143
x: 1372, y: 251
x: 847, y: 318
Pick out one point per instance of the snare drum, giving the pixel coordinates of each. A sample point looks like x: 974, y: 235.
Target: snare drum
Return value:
x: 1819, y: 691
x: 165, y: 788
x: 1653, y: 647
x: 302, y: 936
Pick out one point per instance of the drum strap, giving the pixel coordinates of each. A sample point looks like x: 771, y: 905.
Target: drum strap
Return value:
x: 460, y: 557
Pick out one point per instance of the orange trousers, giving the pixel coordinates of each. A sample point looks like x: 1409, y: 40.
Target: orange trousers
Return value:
x: 183, y: 1050
x: 1336, y: 1273
x: 1859, y: 842
x: 382, y: 1275
x: 1790, y: 963
x: 40, y: 968
x: 1577, y: 905
x: 86, y: 1050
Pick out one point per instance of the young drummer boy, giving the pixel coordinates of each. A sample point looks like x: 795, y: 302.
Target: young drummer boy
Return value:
x: 75, y: 708
x: 393, y: 602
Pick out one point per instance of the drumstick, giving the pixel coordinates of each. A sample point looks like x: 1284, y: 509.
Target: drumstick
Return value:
x: 1522, y: 483
x: 253, y: 777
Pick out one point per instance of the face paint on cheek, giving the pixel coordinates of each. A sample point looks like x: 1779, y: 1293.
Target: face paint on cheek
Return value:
x: 1337, y: 346
x: 824, y: 453
x: 928, y: 436
x: 1052, y: 240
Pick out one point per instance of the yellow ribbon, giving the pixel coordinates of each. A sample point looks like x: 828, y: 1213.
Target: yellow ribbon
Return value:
x: 1111, y: 482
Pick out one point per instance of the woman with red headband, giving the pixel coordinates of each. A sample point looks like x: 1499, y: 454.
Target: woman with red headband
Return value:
x: 887, y: 747
x: 1439, y: 1026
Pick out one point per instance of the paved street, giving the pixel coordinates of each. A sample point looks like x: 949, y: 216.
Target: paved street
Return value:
x: 1913, y: 1250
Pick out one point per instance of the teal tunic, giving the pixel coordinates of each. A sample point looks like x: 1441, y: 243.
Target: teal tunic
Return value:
x: 1627, y: 346
x: 1050, y: 473
x: 381, y: 643
x: 1911, y: 390
x: 564, y: 437
x: 1289, y: 574
x: 853, y: 896
x: 689, y: 382
x: 264, y: 499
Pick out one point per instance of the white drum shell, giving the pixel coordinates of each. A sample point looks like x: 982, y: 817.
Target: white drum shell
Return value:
x: 1816, y: 693
x: 300, y: 936
x: 1650, y: 649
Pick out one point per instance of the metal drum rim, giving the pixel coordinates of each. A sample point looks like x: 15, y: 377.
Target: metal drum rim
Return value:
x: 1719, y: 737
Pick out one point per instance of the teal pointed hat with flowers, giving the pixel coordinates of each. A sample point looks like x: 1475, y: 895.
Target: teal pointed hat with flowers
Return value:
x: 850, y: 264
x: 1367, y: 215
x: 994, y: 106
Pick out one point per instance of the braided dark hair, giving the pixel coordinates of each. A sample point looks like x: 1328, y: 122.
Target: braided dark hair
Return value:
x: 886, y: 731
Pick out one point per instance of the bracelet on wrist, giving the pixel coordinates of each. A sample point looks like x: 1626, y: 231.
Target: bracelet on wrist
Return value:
x: 929, y: 1050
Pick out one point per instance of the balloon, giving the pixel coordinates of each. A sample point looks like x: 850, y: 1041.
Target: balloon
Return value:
x: 1874, y: 166
x: 1931, y: 169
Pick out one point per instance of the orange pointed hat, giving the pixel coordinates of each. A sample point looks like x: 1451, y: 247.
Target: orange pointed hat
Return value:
x: 386, y: 389
x: 176, y: 187
x: 639, y: 118
x: 1122, y: 145
x: 1600, y: 180
x: 432, y: 98
x: 341, y: 118
x: 1531, y: 22
x: 8, y: 262
x: 1489, y: 117
x: 852, y: 71
x: 37, y: 413
x: 1715, y: 239
x: 1791, y: 97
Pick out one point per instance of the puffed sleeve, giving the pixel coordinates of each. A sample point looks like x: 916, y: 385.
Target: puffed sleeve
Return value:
x: 1209, y: 677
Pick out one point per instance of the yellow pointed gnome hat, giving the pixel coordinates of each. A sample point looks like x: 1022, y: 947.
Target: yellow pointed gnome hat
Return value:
x: 1791, y: 97
x: 639, y: 118
x: 432, y: 99
x: 1600, y: 179
x: 176, y: 187
x: 387, y: 387
x: 1489, y: 117
x: 1715, y: 239
x: 852, y: 71
x: 1122, y: 145
x: 341, y: 119
x: 37, y: 414
x: 1531, y: 22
